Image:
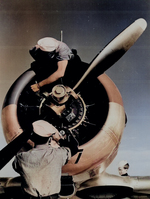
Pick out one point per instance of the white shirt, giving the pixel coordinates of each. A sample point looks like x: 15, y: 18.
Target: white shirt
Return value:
x: 41, y: 169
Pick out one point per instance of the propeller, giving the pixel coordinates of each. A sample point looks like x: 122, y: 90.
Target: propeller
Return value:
x: 104, y: 60
x: 8, y: 152
x: 115, y: 49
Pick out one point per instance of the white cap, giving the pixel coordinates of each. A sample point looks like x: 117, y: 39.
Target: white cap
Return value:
x: 43, y: 128
x: 48, y: 44
x: 122, y: 163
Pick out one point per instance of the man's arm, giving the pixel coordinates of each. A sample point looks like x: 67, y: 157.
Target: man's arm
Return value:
x: 52, y: 78
x: 70, y: 142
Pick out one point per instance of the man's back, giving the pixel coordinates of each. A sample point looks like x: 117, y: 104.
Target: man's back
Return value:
x: 41, y: 169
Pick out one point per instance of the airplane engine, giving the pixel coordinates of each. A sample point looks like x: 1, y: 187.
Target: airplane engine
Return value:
x: 88, y: 115
x: 92, y: 111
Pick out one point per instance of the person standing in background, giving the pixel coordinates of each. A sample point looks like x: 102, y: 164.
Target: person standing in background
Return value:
x: 123, y: 168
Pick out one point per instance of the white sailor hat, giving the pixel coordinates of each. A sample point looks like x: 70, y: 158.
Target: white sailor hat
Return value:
x: 122, y: 163
x: 43, y: 128
x: 48, y: 44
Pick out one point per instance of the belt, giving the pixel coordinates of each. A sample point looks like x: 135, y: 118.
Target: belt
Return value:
x: 53, y: 196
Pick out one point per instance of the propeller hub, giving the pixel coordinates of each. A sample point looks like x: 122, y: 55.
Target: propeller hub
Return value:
x: 59, y: 93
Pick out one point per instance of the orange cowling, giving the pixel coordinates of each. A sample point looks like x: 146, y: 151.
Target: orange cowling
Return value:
x: 99, y: 151
x: 10, y: 124
x: 103, y: 147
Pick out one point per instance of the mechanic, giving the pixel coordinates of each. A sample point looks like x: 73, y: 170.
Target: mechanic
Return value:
x: 40, y: 167
x: 53, y: 53
x: 55, y: 61
x: 123, y: 168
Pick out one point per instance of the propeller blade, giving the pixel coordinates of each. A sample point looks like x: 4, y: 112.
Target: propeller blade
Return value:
x: 116, y: 48
x: 8, y: 152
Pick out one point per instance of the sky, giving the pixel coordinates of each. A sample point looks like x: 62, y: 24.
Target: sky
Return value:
x: 87, y: 26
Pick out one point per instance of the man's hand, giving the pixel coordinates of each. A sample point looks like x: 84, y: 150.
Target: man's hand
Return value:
x: 35, y: 87
x: 56, y: 136
x: 70, y: 142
